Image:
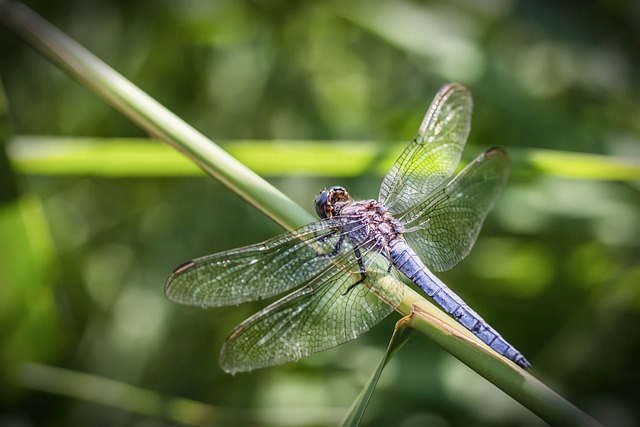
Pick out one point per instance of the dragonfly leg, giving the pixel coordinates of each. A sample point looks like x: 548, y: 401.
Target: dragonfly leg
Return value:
x: 336, y: 248
x: 363, y: 270
x: 327, y: 236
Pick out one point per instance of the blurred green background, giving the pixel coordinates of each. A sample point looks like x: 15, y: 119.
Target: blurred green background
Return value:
x: 87, y: 337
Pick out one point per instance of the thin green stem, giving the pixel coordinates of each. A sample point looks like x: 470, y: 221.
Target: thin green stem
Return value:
x: 47, y: 155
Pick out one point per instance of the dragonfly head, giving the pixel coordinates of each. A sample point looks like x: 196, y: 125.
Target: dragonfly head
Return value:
x: 326, y: 200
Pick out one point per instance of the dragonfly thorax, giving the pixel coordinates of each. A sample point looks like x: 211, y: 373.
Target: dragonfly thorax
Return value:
x: 370, y: 225
x: 367, y: 222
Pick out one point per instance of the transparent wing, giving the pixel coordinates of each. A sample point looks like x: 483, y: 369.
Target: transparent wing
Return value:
x: 443, y: 228
x: 321, y: 315
x: 258, y: 271
x: 433, y: 156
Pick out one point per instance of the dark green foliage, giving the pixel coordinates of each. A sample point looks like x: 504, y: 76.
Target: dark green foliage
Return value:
x: 83, y: 260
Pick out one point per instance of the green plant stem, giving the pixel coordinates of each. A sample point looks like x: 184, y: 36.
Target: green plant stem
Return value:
x: 158, y: 121
x: 59, y: 155
x: 401, y: 335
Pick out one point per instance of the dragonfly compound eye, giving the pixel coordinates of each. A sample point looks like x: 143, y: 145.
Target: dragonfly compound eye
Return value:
x: 327, y: 198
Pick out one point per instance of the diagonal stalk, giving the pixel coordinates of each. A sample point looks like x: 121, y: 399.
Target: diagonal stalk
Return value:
x: 160, y: 122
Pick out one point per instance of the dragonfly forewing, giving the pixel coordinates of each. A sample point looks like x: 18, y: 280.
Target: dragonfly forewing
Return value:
x: 258, y: 271
x: 433, y: 156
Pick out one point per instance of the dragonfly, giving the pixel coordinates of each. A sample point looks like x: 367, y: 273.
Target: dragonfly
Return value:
x: 334, y: 271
